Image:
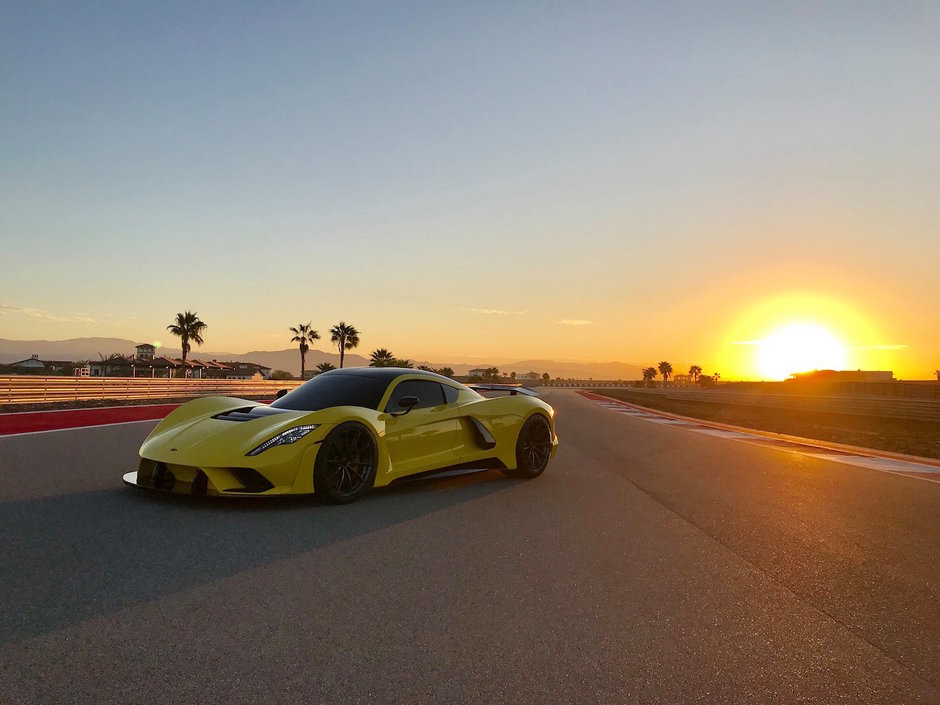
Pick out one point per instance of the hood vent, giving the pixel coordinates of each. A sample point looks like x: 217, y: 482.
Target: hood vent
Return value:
x: 248, y: 413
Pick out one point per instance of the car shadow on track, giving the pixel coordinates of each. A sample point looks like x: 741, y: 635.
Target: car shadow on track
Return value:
x: 72, y: 557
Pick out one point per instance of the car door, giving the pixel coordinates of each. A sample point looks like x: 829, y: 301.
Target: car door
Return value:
x: 423, y: 439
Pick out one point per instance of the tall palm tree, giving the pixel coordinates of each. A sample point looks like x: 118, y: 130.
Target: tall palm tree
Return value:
x: 346, y: 338
x: 665, y: 369
x: 446, y: 371
x: 649, y: 374
x: 717, y: 376
x: 189, y: 328
x: 324, y: 367
x: 695, y: 371
x: 382, y: 357
x: 937, y: 373
x: 303, y: 334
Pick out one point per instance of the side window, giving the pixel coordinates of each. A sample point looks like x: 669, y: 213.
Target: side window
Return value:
x: 450, y: 393
x: 428, y: 393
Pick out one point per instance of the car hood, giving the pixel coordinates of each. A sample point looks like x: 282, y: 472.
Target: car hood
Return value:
x: 216, y: 439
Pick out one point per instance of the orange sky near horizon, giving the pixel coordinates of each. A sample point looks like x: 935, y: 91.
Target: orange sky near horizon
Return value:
x: 728, y: 342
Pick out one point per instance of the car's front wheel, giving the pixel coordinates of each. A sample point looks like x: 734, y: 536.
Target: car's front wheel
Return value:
x: 533, y: 448
x: 346, y: 464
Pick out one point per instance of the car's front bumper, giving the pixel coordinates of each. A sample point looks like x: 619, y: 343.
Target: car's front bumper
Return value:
x: 264, y: 479
x: 132, y: 479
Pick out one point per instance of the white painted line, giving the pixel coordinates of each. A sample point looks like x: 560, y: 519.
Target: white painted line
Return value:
x: 88, y: 408
x: 883, y: 464
x: 76, y: 428
x: 721, y: 433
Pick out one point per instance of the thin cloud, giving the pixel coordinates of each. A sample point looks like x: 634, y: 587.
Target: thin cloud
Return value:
x: 574, y: 322
x: 862, y: 347
x: 42, y: 314
x: 495, y: 312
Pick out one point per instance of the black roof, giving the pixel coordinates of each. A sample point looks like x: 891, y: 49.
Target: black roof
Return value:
x: 386, y: 373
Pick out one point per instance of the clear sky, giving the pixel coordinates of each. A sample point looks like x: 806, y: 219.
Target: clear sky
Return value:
x: 587, y: 181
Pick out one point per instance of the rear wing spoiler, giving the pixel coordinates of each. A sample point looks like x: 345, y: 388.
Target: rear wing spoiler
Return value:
x: 513, y: 389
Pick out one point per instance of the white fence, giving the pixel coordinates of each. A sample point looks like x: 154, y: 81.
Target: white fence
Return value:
x: 28, y: 389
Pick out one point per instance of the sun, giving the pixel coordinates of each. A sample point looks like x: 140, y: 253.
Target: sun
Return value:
x: 799, y: 347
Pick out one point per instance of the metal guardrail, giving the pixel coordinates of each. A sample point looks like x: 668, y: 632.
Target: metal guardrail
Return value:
x: 29, y: 389
x: 583, y: 384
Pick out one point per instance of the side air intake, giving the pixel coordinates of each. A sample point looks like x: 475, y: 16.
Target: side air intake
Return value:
x: 483, y: 437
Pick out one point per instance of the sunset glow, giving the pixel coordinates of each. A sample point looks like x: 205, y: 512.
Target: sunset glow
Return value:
x: 799, y: 347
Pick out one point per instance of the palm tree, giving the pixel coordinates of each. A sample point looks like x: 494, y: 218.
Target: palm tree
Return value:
x: 323, y: 367
x: 303, y: 334
x: 665, y: 369
x: 425, y: 368
x: 446, y: 372
x: 346, y: 337
x: 649, y: 374
x: 695, y: 371
x: 381, y: 358
x: 937, y: 373
x: 189, y: 328
x: 716, y: 377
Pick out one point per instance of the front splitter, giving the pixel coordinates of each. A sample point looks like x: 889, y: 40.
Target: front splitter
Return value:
x: 130, y: 478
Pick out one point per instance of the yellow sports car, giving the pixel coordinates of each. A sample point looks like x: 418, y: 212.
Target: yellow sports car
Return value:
x: 344, y: 432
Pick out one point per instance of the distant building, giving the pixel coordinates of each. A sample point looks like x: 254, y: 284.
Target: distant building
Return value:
x: 115, y: 366
x: 33, y: 365
x: 843, y: 376
x: 144, y: 351
x: 247, y: 370
x: 214, y: 369
x: 682, y: 380
x: 136, y: 366
x: 30, y: 363
x: 479, y: 372
x: 528, y: 377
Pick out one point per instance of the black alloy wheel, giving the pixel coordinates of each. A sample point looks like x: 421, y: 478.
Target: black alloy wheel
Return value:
x: 346, y: 464
x: 533, y: 448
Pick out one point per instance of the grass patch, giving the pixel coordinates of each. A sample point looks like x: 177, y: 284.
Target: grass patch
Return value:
x: 896, y: 435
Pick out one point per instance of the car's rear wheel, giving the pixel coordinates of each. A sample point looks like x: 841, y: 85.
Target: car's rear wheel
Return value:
x: 346, y: 464
x: 533, y: 448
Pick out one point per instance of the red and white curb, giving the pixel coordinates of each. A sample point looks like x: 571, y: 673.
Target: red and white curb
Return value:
x: 32, y: 422
x: 859, y: 457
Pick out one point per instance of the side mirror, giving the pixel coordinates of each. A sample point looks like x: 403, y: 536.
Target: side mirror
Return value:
x: 280, y: 393
x: 406, y: 403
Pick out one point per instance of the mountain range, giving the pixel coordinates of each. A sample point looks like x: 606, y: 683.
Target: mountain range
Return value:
x: 91, y: 348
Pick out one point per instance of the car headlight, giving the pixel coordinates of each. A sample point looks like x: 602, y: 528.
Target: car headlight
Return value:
x: 291, y: 435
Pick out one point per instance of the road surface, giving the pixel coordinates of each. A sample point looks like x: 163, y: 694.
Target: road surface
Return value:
x: 649, y: 564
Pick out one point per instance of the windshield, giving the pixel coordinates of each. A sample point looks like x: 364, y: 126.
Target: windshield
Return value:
x: 328, y: 390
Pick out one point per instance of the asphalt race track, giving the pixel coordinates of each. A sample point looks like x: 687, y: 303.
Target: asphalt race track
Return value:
x: 650, y: 564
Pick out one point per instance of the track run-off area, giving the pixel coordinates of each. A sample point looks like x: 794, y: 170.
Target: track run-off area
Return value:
x: 653, y: 562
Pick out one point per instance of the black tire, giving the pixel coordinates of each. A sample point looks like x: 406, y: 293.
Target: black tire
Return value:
x: 346, y: 464
x: 533, y: 447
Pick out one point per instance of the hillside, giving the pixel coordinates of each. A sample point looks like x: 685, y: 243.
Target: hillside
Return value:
x: 289, y: 359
